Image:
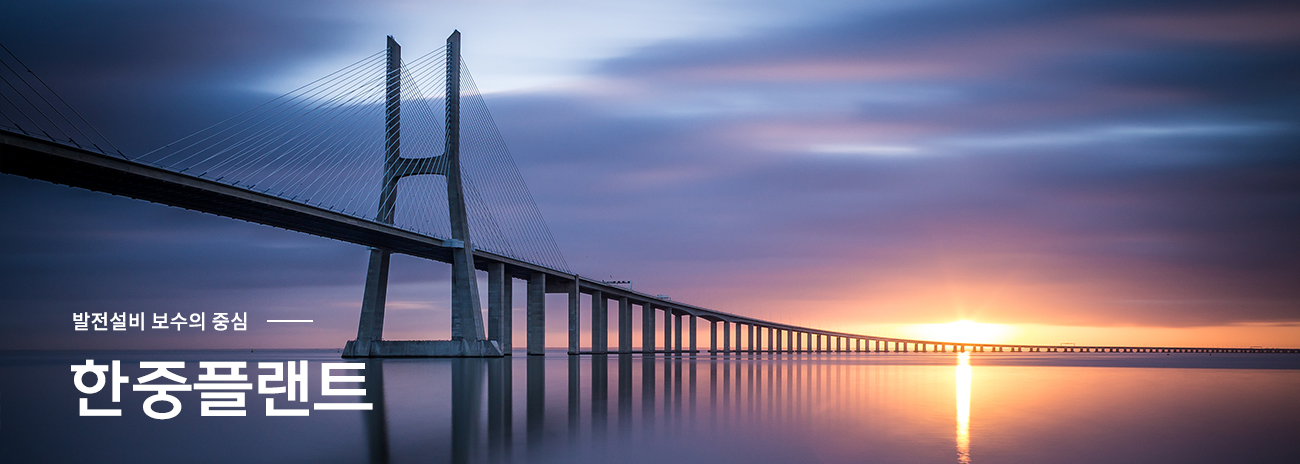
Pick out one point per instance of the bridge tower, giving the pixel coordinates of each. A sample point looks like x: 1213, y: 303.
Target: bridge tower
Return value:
x: 467, y: 334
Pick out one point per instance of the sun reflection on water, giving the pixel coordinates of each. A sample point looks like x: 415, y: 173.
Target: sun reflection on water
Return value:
x: 963, y: 408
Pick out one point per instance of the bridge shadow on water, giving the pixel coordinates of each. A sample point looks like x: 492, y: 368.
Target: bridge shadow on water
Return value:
x: 618, y: 408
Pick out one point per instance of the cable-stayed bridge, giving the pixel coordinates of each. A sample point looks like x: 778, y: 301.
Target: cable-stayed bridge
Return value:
x: 402, y: 156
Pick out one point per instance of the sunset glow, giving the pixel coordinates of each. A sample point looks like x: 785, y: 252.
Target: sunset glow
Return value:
x: 963, y: 331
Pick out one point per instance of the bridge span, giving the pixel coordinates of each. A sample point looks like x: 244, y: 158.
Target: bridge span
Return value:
x: 667, y: 327
x: 40, y: 159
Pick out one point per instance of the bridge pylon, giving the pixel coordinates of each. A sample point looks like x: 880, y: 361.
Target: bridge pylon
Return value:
x: 467, y: 329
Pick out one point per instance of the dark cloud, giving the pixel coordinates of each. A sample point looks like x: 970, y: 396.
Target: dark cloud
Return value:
x: 1145, y: 167
x: 147, y: 72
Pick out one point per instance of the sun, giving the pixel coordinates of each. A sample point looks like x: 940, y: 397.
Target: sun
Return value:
x: 963, y: 331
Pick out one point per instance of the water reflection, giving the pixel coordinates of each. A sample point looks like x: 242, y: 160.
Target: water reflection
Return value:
x: 963, y: 408
x: 681, y: 399
x: 747, y: 409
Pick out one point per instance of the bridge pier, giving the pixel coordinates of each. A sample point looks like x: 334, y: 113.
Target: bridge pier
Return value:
x: 692, y: 334
x: 677, y: 335
x: 668, y: 331
x: 624, y: 326
x: 500, y: 294
x: 744, y: 338
x: 647, y: 329
x: 536, y: 315
x: 752, y: 335
x: 574, y: 306
x: 726, y: 337
x: 371, y: 325
x: 599, y: 323
x: 713, y: 337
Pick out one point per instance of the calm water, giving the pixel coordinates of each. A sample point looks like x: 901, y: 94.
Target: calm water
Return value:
x: 932, y: 407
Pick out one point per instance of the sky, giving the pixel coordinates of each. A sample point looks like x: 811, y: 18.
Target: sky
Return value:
x: 1086, y: 172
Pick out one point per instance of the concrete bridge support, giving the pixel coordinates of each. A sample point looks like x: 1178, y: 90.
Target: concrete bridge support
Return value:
x: 536, y: 314
x: 575, y: 306
x: 713, y: 337
x: 692, y: 334
x: 624, y: 326
x: 677, y: 336
x: 647, y: 329
x: 753, y: 332
x: 500, y: 296
x: 468, y: 337
x: 599, y: 323
x: 726, y: 337
x: 668, y: 331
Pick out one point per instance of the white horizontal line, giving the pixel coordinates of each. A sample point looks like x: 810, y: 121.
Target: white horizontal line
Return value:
x: 289, y: 320
x: 342, y: 406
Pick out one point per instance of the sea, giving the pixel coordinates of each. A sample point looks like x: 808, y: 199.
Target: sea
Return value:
x: 234, y: 406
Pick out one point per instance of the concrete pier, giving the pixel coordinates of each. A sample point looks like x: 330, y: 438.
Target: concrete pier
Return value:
x: 574, y: 306
x: 726, y: 337
x: 677, y: 336
x: 647, y: 329
x: 751, y: 347
x: 599, y: 323
x: 693, y: 333
x: 499, y: 306
x: 536, y: 314
x: 713, y: 337
x: 624, y: 326
x: 668, y: 330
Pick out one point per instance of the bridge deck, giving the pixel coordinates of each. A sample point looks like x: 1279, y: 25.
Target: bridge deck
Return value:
x: 40, y: 159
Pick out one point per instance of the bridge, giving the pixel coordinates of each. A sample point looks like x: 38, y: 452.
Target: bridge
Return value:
x: 332, y: 158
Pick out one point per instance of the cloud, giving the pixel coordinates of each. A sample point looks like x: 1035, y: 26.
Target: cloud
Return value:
x: 1073, y: 166
x: 1102, y: 163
